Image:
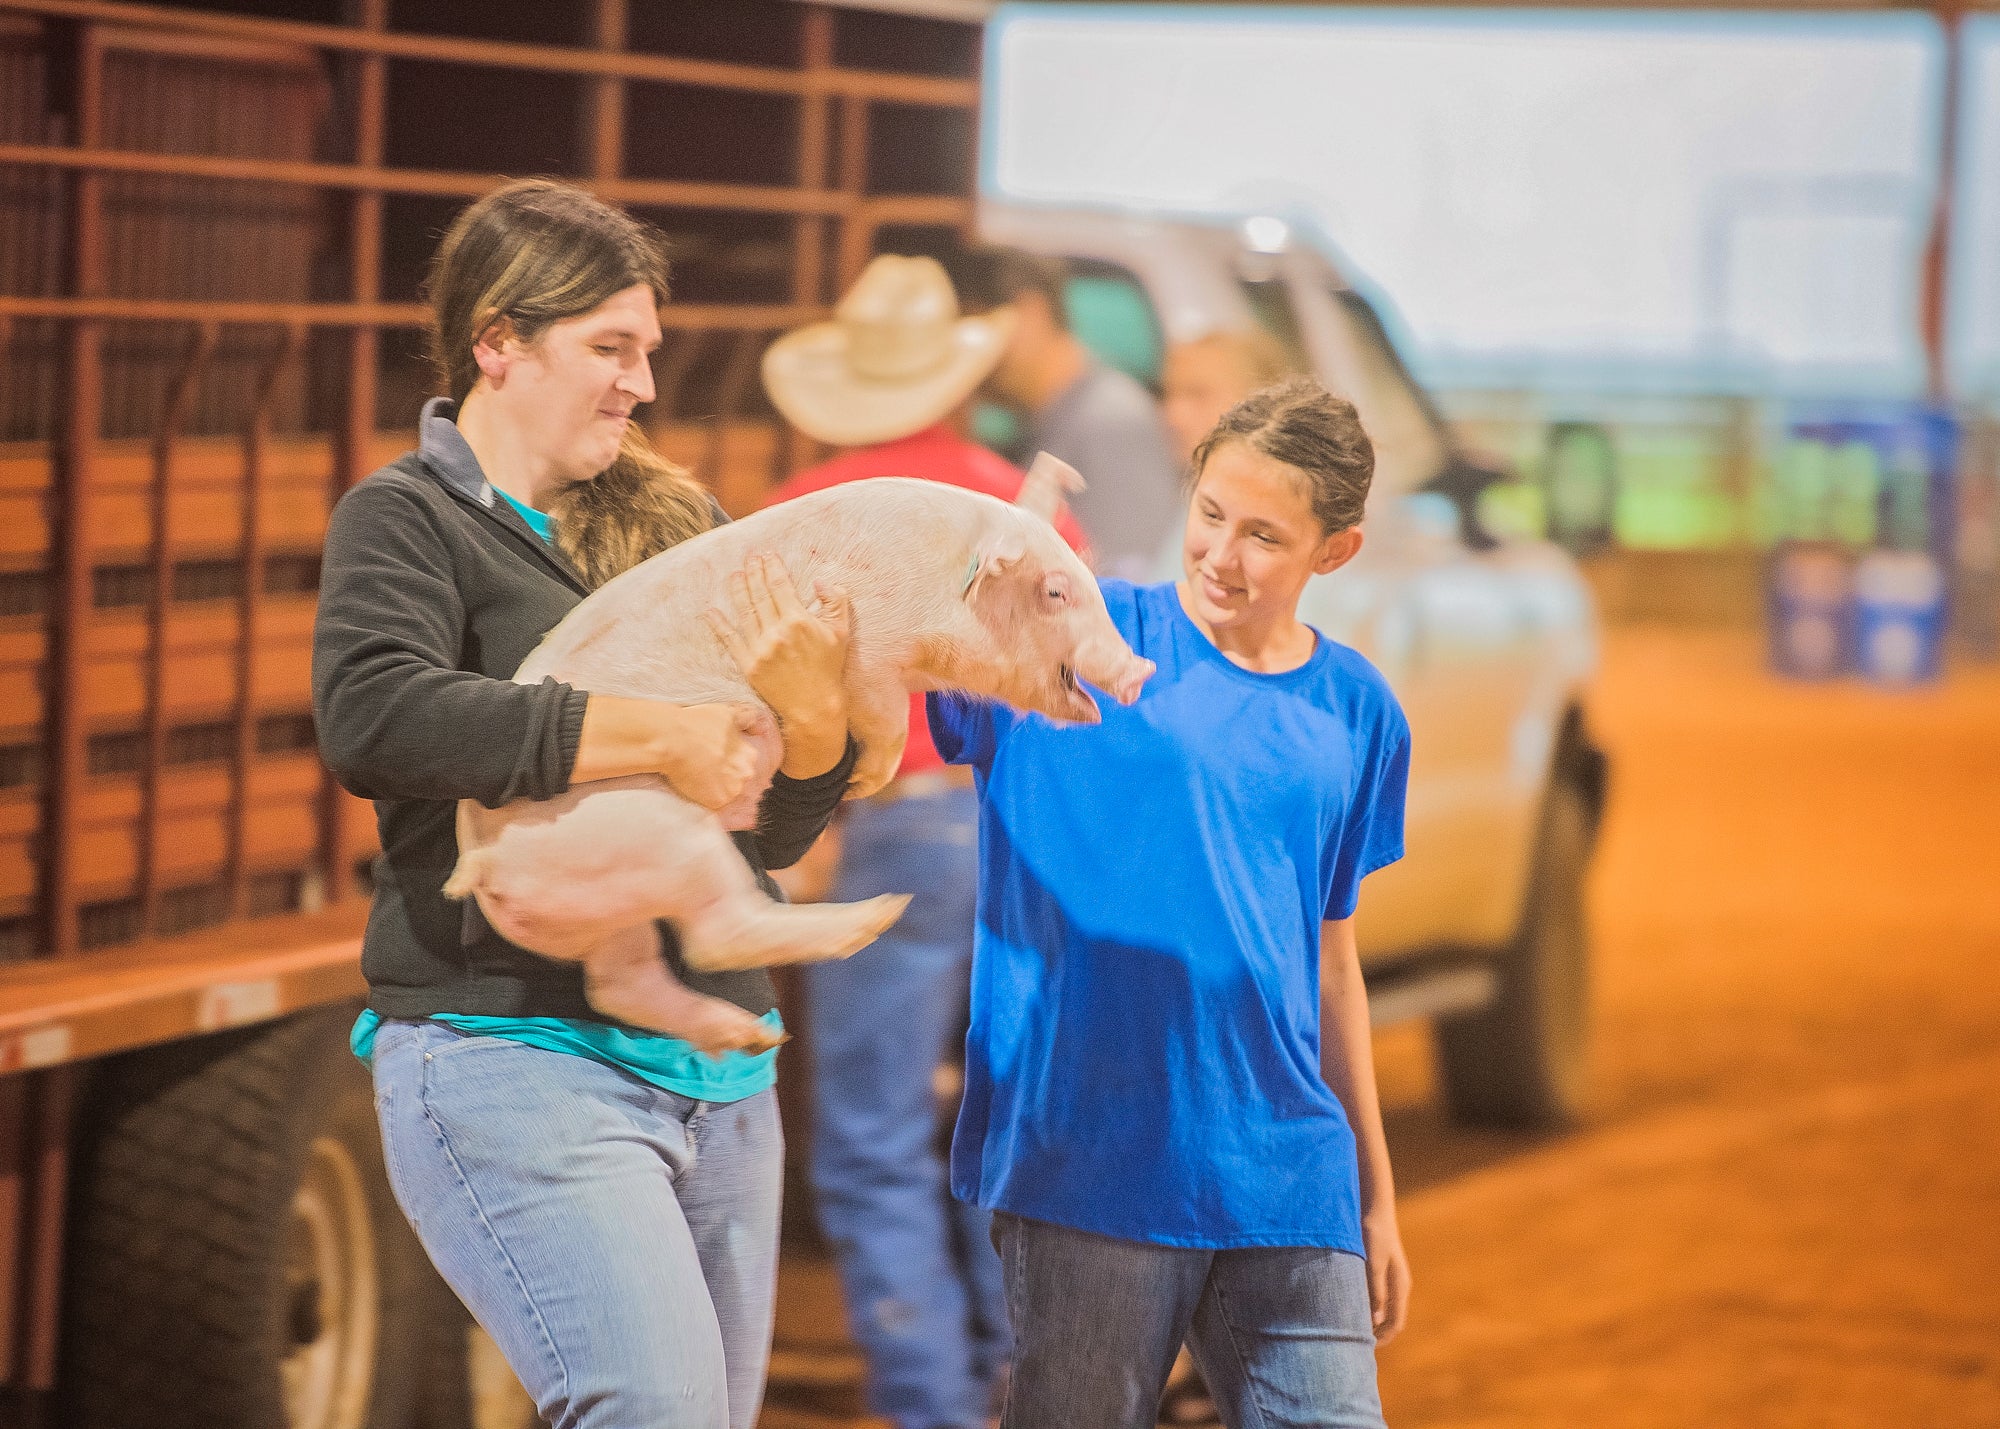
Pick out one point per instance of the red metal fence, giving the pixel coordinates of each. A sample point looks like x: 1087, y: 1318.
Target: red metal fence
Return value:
x: 198, y: 352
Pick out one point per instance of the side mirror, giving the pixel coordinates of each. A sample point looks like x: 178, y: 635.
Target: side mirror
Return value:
x: 1460, y: 484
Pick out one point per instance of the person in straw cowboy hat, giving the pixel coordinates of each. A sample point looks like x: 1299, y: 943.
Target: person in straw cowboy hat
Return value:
x: 890, y: 378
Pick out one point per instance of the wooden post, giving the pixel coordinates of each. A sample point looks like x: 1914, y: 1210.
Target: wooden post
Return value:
x: 180, y: 396
x: 354, y: 449
x: 1934, y: 303
x: 809, y: 230
x: 75, y: 471
x: 857, y: 234
x: 604, y: 104
x: 249, y: 607
x: 51, y: 1100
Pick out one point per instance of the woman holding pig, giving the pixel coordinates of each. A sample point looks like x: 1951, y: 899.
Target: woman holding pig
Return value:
x: 604, y: 1200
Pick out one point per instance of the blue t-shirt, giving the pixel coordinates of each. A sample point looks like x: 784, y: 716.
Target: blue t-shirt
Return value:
x: 1143, y: 1059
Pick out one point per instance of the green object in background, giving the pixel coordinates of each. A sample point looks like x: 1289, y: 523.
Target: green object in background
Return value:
x: 1513, y: 511
x: 998, y: 427
x: 1580, y: 486
x: 1909, y: 515
x: 1800, y: 483
x: 1853, y: 492
x: 1823, y: 492
x: 1112, y: 318
x: 1672, y: 495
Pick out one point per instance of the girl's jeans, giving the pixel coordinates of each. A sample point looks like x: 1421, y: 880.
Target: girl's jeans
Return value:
x: 1283, y: 1334
x: 619, y: 1242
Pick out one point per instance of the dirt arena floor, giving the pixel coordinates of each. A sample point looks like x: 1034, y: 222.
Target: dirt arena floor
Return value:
x: 1784, y: 1209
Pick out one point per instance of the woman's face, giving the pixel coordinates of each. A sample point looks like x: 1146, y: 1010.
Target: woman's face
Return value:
x: 1252, y: 541
x: 571, y: 394
x: 1200, y: 381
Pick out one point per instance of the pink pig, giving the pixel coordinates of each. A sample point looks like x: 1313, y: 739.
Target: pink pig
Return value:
x: 950, y: 589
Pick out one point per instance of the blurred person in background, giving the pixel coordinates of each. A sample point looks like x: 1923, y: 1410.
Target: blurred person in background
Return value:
x: 604, y: 1199
x: 1206, y: 376
x: 890, y: 379
x: 1096, y: 418
x: 1170, y: 1106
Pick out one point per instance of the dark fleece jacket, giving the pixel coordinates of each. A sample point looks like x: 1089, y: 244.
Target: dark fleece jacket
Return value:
x: 433, y: 591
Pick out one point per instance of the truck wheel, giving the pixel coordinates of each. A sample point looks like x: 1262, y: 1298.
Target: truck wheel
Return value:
x: 1521, y: 1060
x: 236, y: 1255
x: 469, y: 1385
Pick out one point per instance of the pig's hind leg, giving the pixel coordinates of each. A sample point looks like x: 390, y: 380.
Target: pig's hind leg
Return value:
x: 562, y: 878
x: 754, y: 932
x: 626, y: 977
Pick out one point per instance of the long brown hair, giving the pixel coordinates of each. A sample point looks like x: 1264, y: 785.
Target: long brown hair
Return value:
x: 536, y: 252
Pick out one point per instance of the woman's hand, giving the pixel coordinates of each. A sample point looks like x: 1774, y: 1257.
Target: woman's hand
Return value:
x: 794, y: 657
x: 1388, y: 1274
x: 699, y: 749
x: 704, y: 753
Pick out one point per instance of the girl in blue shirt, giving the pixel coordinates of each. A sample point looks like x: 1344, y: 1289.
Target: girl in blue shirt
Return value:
x: 1170, y: 1105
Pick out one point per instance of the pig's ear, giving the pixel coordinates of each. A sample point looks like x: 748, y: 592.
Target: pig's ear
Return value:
x: 1000, y: 553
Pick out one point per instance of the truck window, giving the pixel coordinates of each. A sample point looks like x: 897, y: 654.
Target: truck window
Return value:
x: 1271, y: 304
x: 1411, y: 444
x: 1111, y: 315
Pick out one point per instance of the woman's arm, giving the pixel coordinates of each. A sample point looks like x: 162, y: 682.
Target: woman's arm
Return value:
x: 700, y: 749
x: 1347, y: 1062
x: 396, y: 718
x: 795, y: 658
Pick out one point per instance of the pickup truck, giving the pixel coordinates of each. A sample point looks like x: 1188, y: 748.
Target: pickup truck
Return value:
x: 1490, y: 644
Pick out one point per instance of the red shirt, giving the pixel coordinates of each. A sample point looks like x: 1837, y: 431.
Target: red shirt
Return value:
x: 935, y: 454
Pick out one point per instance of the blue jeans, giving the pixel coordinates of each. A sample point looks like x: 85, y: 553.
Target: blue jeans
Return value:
x: 619, y: 1242
x: 921, y: 1280
x: 1283, y: 1335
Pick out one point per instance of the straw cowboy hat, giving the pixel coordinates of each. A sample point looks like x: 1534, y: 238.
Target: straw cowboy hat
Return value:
x: 896, y: 358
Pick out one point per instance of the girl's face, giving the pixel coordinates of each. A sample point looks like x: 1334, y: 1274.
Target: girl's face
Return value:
x: 1252, y: 541
x: 571, y: 394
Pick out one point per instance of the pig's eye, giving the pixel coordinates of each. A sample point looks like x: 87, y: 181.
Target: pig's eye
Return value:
x: 1055, y: 593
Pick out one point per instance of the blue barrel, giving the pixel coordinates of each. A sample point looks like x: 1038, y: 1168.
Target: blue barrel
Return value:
x: 1882, y: 475
x: 1807, y: 607
x: 1899, y: 618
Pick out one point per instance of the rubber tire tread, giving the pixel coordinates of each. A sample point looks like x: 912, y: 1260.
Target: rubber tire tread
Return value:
x: 191, y: 1153
x: 1498, y: 1065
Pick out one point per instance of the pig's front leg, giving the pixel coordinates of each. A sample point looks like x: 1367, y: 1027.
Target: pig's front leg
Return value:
x: 878, y: 716
x: 627, y: 978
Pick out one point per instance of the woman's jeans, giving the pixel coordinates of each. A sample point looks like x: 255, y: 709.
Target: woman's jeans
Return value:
x: 922, y: 1284
x: 1283, y: 1335
x: 619, y: 1242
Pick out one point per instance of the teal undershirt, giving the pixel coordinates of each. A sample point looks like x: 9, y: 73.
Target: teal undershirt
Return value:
x: 668, y: 1062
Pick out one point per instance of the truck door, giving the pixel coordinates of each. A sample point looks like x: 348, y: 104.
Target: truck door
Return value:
x: 1450, y: 628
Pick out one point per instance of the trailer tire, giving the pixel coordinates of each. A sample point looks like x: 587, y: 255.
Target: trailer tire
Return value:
x: 236, y: 1256
x: 468, y: 1384
x: 1521, y: 1060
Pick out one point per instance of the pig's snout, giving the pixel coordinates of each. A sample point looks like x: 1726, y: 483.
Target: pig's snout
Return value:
x: 1126, y: 687
x: 1117, y: 672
